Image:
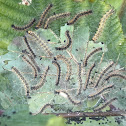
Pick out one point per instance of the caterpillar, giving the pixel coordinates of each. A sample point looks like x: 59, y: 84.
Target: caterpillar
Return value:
x: 77, y: 16
x: 102, y: 24
x: 24, y: 27
x: 28, y: 62
x: 100, y: 91
x: 26, y: 85
x: 103, y: 72
x: 114, y: 75
x: 54, y: 17
x: 41, y: 42
x: 42, y: 18
x: 28, y: 46
x: 107, y: 103
x: 69, y: 97
x: 32, y: 59
x: 67, y: 62
x: 69, y: 42
x: 79, y: 79
x: 88, y: 76
x: 43, y: 108
x: 90, y: 54
x: 58, y: 71
x: 42, y: 81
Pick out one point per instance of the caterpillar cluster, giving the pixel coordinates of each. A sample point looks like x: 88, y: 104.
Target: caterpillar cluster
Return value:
x: 30, y: 56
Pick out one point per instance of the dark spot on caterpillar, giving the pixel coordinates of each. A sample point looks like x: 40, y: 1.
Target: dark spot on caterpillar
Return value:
x: 4, y: 115
x: 8, y: 117
x: 30, y: 113
x: 76, y: 49
x: 41, y: 58
x: 14, y: 112
x: 102, y: 42
x: 48, y: 40
x: 64, y: 40
x: 54, y: 58
x: 29, y: 97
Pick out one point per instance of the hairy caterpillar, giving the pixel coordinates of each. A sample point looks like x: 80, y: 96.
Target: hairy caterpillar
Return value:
x: 69, y: 97
x: 100, y: 91
x: 102, y: 24
x: 26, y: 85
x: 69, y: 67
x: 42, y: 18
x: 114, y: 75
x: 90, y: 54
x: 58, y: 71
x: 31, y: 58
x: 29, y: 48
x: 79, y: 79
x: 43, y: 108
x: 69, y: 42
x: 41, y: 43
x: 54, y: 17
x: 28, y: 62
x: 88, y: 76
x: 103, y: 72
x: 77, y: 16
x: 24, y: 27
x: 42, y: 81
x: 107, y: 103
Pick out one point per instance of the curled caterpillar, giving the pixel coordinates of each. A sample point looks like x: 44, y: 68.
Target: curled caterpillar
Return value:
x: 102, y: 24
x: 90, y: 54
x: 43, y: 16
x: 41, y: 42
x: 69, y: 42
x: 79, y: 79
x: 67, y: 62
x: 32, y: 66
x: 88, y: 76
x: 103, y: 72
x: 42, y: 81
x: 107, y: 103
x: 58, y: 71
x: 43, y: 108
x: 66, y: 95
x: 24, y: 27
x: 55, y: 17
x: 32, y: 59
x: 77, y: 16
x: 29, y: 48
x: 115, y: 75
x: 26, y: 85
x: 100, y: 91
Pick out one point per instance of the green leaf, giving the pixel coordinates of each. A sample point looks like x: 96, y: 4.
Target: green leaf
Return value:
x: 56, y: 121
x: 19, y: 115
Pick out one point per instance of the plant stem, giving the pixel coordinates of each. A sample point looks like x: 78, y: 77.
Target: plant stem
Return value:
x: 89, y: 114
